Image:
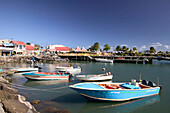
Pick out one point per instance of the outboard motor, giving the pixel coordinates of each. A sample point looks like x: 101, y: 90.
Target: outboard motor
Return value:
x: 144, y: 82
x: 151, y: 84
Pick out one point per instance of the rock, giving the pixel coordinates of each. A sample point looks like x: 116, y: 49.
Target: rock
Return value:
x: 8, y: 88
x: 1, y: 109
x: 7, y: 78
x: 14, y: 106
x: 23, y: 98
x: 24, y: 102
x: 6, y: 95
x: 2, y: 80
x: 35, y: 102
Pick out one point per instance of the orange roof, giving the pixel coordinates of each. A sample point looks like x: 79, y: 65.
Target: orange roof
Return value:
x: 18, y: 42
x: 29, y: 47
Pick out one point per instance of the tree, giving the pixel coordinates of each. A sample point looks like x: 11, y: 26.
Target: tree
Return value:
x: 152, y: 50
x: 106, y: 47
x: 95, y: 46
x: 124, y: 48
x: 118, y: 48
x: 134, y: 49
x: 130, y: 52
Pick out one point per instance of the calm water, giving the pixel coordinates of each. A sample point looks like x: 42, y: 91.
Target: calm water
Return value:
x: 59, y: 95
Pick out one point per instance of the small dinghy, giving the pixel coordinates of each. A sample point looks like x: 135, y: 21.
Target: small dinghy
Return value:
x: 69, y: 69
x: 99, y: 77
x: 104, y: 60
x: 116, y: 91
x: 29, y: 69
x: 46, y: 76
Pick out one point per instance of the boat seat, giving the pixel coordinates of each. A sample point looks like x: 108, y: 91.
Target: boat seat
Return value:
x: 145, y: 82
x: 151, y: 84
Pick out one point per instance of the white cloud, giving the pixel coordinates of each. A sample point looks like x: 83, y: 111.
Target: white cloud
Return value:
x: 167, y: 46
x: 124, y: 45
x: 157, y: 44
x: 142, y: 48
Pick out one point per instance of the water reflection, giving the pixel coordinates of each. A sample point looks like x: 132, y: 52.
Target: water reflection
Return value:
x: 118, y: 107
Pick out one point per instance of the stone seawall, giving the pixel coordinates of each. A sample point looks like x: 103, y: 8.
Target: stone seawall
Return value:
x: 27, y: 59
x: 11, y: 101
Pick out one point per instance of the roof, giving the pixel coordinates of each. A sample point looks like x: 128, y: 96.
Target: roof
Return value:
x: 29, y: 47
x: 18, y: 42
x: 62, y: 48
x: 83, y: 49
x: 8, y: 44
x: 77, y: 49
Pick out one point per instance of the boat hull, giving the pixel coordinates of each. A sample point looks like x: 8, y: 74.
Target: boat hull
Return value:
x: 116, y: 94
x: 94, y: 78
x: 26, y: 69
x: 69, y: 69
x: 33, y: 76
x: 104, y: 60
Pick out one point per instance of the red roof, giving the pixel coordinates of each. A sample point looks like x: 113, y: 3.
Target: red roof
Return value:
x: 62, y: 48
x: 18, y: 42
x: 29, y: 47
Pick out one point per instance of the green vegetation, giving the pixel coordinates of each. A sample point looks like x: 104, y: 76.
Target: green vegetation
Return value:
x: 106, y: 47
x: 124, y: 51
x: 152, y: 50
x: 95, y: 47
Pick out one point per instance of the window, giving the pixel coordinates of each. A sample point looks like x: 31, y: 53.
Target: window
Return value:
x: 20, y: 46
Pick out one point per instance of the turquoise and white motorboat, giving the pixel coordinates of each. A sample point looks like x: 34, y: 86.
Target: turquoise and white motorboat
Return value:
x: 116, y: 91
x: 46, y: 76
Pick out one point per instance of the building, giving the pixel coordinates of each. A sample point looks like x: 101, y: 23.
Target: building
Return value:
x: 57, y: 49
x: 6, y: 47
x: 19, y: 47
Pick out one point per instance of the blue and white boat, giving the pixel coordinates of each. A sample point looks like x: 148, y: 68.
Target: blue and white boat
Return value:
x: 116, y: 91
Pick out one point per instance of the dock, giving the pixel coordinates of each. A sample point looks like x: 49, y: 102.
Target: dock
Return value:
x: 116, y: 59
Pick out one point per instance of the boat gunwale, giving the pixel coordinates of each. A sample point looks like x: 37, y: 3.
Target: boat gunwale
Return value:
x: 105, y: 89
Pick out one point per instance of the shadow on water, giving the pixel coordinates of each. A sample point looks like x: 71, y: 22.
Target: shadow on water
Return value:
x: 118, y: 107
x: 70, y: 98
x: 49, y: 82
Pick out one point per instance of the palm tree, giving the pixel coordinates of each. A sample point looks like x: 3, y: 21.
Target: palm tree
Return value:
x: 152, y: 50
x: 134, y: 49
x: 106, y: 47
x: 124, y: 48
x: 118, y: 48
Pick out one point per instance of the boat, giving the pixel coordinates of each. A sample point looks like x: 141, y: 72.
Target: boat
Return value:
x: 46, y: 76
x: 103, y: 60
x: 99, y: 77
x: 116, y: 91
x: 29, y: 69
x: 69, y: 69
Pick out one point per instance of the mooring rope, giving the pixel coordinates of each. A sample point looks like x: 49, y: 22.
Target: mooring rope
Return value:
x: 36, y: 89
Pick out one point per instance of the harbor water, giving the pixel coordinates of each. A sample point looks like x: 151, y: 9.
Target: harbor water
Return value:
x: 58, y: 94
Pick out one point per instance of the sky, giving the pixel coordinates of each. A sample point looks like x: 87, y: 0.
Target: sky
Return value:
x: 130, y: 23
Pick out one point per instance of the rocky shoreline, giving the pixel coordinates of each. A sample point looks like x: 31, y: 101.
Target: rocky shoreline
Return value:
x: 11, y: 101
x: 26, y: 59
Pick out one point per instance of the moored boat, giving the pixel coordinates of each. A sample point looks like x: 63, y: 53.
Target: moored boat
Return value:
x: 115, y: 91
x: 46, y: 76
x: 99, y: 77
x: 69, y: 69
x: 104, y: 60
x: 29, y: 69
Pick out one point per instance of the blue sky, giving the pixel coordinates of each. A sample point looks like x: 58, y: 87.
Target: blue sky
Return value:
x: 140, y: 23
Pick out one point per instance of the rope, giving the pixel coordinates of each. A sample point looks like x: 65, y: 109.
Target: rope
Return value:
x: 36, y: 89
